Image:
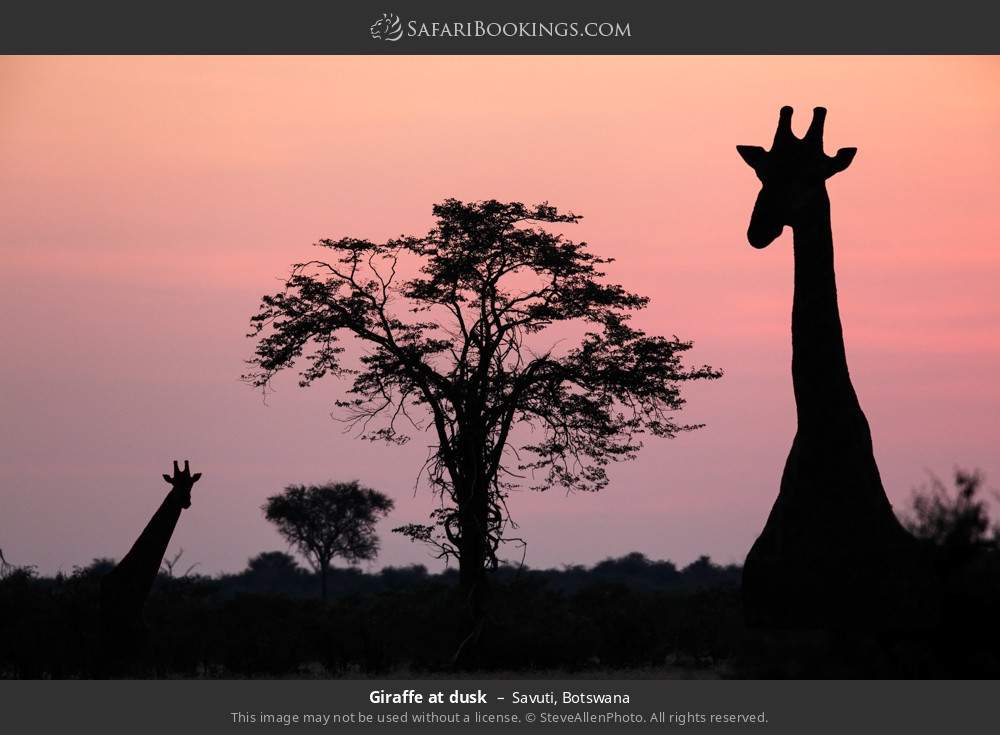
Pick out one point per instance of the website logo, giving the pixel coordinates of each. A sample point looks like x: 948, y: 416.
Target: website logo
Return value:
x: 387, y: 28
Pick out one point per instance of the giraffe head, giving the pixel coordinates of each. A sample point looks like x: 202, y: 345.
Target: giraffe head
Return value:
x: 182, y: 481
x: 792, y: 174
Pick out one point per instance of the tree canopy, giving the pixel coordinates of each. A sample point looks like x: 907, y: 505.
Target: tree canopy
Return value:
x: 468, y: 334
x: 328, y: 521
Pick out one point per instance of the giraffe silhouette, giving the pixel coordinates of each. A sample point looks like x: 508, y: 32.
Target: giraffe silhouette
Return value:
x: 832, y: 553
x: 125, y: 588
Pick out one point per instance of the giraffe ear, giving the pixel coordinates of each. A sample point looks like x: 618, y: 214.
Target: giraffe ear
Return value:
x: 841, y: 161
x: 168, y: 479
x: 195, y: 477
x: 754, y: 155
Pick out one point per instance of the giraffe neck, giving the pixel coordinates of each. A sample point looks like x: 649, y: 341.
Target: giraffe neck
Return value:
x: 133, y: 578
x: 824, y: 395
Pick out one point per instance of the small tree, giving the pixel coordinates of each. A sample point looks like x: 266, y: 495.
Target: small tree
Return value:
x: 273, y: 563
x: 958, y: 523
x: 275, y: 571
x: 463, y: 348
x: 167, y: 566
x: 8, y: 570
x: 326, y: 521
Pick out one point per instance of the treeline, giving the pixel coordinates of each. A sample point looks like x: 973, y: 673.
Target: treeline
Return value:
x: 268, y: 621
x: 622, y: 614
x: 275, y: 572
x: 629, y: 613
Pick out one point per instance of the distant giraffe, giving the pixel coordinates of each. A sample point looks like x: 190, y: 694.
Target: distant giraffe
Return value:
x: 124, y: 590
x: 832, y: 553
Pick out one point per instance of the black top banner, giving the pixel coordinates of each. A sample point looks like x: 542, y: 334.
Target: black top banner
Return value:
x: 513, y: 27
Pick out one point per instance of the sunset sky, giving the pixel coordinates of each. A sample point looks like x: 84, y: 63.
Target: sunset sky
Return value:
x: 147, y: 203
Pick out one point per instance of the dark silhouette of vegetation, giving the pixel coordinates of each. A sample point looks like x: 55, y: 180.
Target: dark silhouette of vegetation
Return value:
x: 7, y: 569
x: 620, y: 614
x: 460, y: 346
x: 957, y: 523
x: 266, y: 621
x: 275, y: 572
x: 169, y: 565
x: 335, y: 520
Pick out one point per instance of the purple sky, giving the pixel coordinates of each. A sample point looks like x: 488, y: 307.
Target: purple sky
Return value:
x: 147, y: 203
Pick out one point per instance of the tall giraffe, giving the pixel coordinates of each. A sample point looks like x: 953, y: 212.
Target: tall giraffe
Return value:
x: 124, y: 590
x: 832, y: 553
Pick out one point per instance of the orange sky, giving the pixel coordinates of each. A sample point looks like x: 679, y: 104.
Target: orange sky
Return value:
x: 146, y: 204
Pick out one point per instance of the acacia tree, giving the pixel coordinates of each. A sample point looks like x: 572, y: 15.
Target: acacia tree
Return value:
x: 327, y: 521
x: 460, y: 348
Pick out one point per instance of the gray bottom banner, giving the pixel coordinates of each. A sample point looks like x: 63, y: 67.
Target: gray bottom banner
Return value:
x: 459, y: 706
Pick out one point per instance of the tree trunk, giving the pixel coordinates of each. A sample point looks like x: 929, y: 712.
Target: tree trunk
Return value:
x: 473, y: 510
x: 322, y: 580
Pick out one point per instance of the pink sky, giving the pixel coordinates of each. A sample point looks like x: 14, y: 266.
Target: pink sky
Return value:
x: 147, y: 203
